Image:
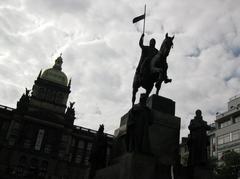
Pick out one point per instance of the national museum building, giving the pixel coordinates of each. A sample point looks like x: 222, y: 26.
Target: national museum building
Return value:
x: 38, y: 139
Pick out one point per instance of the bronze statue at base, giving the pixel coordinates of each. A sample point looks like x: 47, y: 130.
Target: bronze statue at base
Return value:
x: 139, y: 119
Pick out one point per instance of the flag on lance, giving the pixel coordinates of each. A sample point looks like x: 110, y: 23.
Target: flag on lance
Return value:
x: 141, y: 17
x: 138, y: 18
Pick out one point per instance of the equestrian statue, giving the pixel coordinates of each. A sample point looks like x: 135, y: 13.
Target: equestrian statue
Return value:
x: 152, y: 67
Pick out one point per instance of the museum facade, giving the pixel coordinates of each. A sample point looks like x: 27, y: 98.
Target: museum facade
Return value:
x: 38, y: 139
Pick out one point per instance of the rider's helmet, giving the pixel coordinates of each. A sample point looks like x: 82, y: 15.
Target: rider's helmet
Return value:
x: 152, y: 42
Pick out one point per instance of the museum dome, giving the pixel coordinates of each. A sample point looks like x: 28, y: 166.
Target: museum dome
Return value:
x: 55, y: 73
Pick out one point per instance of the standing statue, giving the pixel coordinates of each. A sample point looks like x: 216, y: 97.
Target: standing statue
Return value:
x: 198, y: 141
x: 98, y: 156
x: 139, y: 119
x: 27, y: 92
x: 70, y: 113
x: 152, y: 67
x: 22, y: 104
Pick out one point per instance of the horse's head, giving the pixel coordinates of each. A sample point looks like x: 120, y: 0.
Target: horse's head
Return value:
x: 166, y: 45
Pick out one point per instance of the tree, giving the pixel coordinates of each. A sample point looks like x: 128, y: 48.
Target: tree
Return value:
x: 230, y: 166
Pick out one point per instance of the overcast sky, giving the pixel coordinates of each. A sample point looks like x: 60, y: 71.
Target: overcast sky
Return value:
x: 100, y: 52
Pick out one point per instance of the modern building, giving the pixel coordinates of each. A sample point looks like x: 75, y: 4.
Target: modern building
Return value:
x: 226, y: 136
x: 38, y: 139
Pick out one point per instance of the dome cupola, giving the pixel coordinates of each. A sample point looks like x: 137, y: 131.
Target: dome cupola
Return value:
x: 55, y: 73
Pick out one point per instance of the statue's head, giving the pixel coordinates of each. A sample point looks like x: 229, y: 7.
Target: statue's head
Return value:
x: 198, y: 114
x: 152, y: 42
x: 143, y: 99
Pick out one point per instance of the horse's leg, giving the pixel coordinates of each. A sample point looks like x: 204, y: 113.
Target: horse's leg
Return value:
x: 158, y: 86
x: 134, y: 92
x: 148, y: 91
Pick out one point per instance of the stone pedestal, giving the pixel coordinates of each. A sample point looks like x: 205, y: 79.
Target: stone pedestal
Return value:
x: 129, y: 166
x: 202, y: 173
x: 164, y: 142
x: 163, y: 133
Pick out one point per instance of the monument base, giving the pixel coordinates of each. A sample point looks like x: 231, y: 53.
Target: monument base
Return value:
x: 202, y: 173
x: 135, y: 166
x: 163, y: 132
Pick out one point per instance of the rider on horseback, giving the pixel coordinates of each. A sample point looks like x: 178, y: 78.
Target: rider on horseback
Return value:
x: 148, y: 52
x: 152, y: 67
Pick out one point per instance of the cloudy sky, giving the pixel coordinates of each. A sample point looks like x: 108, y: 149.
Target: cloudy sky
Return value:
x: 100, y: 52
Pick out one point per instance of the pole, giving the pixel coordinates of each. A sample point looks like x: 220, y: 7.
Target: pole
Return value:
x: 144, y: 18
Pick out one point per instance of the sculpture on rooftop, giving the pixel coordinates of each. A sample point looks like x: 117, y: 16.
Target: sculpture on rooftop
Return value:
x: 22, y: 104
x: 98, y: 154
x: 152, y: 67
x: 70, y: 113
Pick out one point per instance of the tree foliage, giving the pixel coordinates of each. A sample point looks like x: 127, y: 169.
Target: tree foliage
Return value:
x: 229, y: 166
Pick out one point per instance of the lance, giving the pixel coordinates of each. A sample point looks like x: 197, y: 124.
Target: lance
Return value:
x: 144, y: 19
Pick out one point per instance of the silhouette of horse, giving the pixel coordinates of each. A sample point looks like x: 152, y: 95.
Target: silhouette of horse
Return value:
x: 154, y: 70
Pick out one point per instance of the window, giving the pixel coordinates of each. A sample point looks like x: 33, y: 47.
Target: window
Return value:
x: 43, y: 169
x: 237, y: 150
x: 229, y: 137
x: 3, y: 129
x: 50, y: 95
x: 236, y: 135
x: 59, y: 98
x: 27, y: 143
x: 224, y: 139
x: 219, y: 155
x: 73, y: 142
x: 15, y: 128
x: 33, y: 166
x: 39, y: 139
x: 237, y: 119
x: 213, y: 144
x: 79, y: 152
x: 42, y: 92
x: 213, y: 140
x: 70, y: 157
x: 81, y: 144
x: 11, y: 141
x: 47, y: 148
x: 88, y: 152
x: 21, y: 167
x: 109, y: 152
x: 225, y: 124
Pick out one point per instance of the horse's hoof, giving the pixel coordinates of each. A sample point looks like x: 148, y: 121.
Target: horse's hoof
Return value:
x: 168, y: 81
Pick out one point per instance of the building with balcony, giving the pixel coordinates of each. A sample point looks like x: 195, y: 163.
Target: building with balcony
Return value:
x: 226, y: 135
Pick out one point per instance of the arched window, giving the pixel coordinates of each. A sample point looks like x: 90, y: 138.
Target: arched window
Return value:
x: 33, y: 168
x: 21, y: 167
x: 43, y: 169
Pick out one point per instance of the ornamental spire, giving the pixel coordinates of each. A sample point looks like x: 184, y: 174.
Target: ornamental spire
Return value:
x: 58, y: 63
